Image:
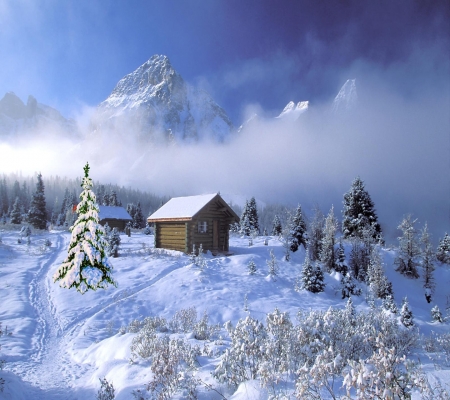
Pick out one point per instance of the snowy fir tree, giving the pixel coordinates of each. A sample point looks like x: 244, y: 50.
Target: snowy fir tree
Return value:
x: 138, y: 219
x: 348, y: 286
x: 409, y: 249
x: 327, y: 252
x: 147, y: 229
x: 359, y: 259
x: 249, y: 218
x: 273, y: 266
x: 443, y: 250
x: 315, y: 234
x: 131, y: 209
x: 436, y: 315
x: 359, y: 211
x: 251, y: 267
x: 312, y: 278
x: 341, y: 265
x: 376, y: 278
x: 297, y: 230
x: 113, y: 200
x: 37, y: 215
x: 406, y: 315
x: 16, y: 215
x: 113, y: 239
x: 86, y: 266
x: 427, y: 264
x: 276, y: 226
x: 389, y: 304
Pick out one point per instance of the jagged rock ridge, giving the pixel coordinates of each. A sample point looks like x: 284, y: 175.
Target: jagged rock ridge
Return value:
x: 155, y: 101
x: 17, y: 117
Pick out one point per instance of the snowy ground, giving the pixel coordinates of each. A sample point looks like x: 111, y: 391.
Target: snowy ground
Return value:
x: 62, y: 342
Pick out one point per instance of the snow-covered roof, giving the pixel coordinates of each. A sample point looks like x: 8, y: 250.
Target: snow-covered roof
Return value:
x: 110, y: 212
x: 182, y: 208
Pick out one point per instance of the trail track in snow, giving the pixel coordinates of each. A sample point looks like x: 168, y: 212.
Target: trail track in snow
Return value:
x: 49, y: 369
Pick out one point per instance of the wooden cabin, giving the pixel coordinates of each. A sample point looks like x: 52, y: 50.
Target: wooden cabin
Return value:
x: 116, y: 217
x: 185, y: 221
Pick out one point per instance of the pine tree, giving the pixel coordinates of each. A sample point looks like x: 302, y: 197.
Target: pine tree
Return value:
x: 273, y: 266
x: 147, y: 229
x: 113, y: 201
x: 406, y: 315
x: 86, y: 266
x: 427, y: 264
x: 348, y: 286
x: 409, y: 249
x: 327, y: 253
x: 37, y: 215
x: 16, y: 215
x: 436, y: 315
x: 297, y: 227
x: 341, y: 266
x: 113, y: 239
x: 359, y: 211
x: 138, y: 218
x: 312, y: 276
x: 251, y: 267
x: 276, y: 226
x: 249, y: 218
x: 359, y: 259
x: 443, y: 250
x: 376, y: 278
x: 315, y: 234
x: 389, y: 304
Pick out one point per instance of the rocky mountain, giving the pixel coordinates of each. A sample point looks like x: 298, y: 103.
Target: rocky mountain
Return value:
x: 292, y: 111
x: 347, y: 98
x: 19, y: 118
x: 158, y: 105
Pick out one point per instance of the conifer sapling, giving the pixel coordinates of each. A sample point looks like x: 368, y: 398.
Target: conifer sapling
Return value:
x: 86, y: 266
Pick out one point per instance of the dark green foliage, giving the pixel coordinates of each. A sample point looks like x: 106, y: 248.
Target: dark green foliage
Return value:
x: 135, y: 212
x: 113, y: 239
x: 341, y: 265
x: 249, y: 219
x: 348, y: 286
x: 443, y: 250
x: 315, y: 234
x: 16, y: 214
x: 297, y: 230
x: 37, y: 215
x: 312, y: 276
x: 276, y: 226
x: 359, y: 212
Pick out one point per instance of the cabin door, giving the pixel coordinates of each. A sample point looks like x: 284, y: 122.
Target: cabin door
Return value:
x: 215, y: 234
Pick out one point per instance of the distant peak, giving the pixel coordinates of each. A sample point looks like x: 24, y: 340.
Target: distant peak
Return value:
x: 347, y: 98
x: 293, y: 111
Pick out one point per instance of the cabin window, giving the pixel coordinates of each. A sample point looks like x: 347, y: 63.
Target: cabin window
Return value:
x: 202, y: 227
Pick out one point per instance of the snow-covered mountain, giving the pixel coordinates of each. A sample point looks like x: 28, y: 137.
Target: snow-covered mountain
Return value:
x: 347, y: 98
x: 17, y: 117
x: 156, y: 101
x: 292, y: 111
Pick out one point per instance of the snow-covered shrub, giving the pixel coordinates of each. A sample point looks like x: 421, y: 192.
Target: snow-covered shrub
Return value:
x: 242, y: 360
x: 251, y: 267
x: 183, y: 320
x: 25, y: 231
x: 147, y: 229
x: 436, y: 315
x: 204, y: 331
x: 134, y: 326
x: 443, y: 250
x: 312, y: 278
x: 143, y: 344
x: 349, y: 287
x: 106, y: 391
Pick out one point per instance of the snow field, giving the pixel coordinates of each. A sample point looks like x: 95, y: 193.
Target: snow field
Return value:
x: 62, y: 342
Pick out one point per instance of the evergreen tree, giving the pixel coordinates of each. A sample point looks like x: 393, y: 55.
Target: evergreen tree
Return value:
x: 359, y: 259
x: 249, y: 218
x: 251, y: 267
x: 359, y: 211
x: 443, y: 250
x: 406, y: 315
x: 315, y: 234
x: 327, y: 252
x: 4, y: 201
x: 273, y: 266
x: 348, y: 286
x: 113, y: 200
x: 427, y: 264
x: 147, y: 229
x: 138, y: 218
x: 37, y: 215
x: 409, y: 249
x: 113, y: 239
x: 297, y: 228
x: 436, y: 315
x: 376, y: 278
x: 312, y: 276
x: 16, y: 215
x: 389, y: 304
x: 131, y: 209
x: 341, y: 265
x: 276, y: 226
x: 86, y: 266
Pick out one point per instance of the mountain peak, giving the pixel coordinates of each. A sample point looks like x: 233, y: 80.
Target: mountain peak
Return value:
x: 293, y: 111
x: 347, y: 98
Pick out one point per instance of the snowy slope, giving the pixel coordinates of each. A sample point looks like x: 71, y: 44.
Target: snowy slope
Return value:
x: 62, y: 342
x: 160, y: 105
x: 347, y: 98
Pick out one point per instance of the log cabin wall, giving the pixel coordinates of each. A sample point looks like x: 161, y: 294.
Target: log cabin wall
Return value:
x: 170, y: 235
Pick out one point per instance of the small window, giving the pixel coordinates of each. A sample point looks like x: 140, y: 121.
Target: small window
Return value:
x: 202, y: 227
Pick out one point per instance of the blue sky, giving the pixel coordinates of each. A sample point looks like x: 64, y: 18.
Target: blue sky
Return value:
x: 72, y: 53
